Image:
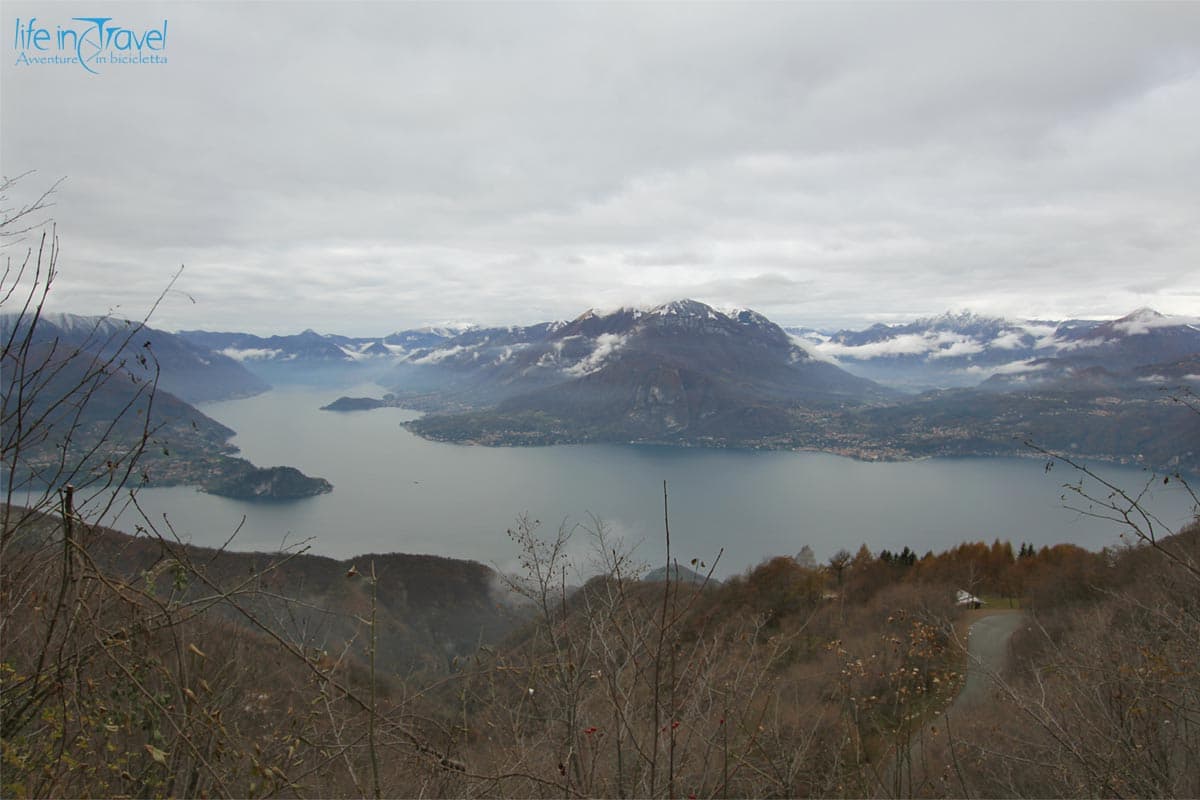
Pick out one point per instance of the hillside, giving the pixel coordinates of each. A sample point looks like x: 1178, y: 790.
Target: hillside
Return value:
x: 192, y: 373
x: 97, y: 418
x: 199, y: 672
x: 430, y: 609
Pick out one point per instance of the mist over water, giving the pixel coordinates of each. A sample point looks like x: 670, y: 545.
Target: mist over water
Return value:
x: 395, y: 492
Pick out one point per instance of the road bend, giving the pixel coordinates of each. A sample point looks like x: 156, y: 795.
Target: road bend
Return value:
x: 987, y: 656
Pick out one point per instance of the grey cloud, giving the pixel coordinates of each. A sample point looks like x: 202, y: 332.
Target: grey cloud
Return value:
x: 374, y: 165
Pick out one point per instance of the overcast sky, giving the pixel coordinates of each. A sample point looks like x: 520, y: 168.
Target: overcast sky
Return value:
x: 362, y: 168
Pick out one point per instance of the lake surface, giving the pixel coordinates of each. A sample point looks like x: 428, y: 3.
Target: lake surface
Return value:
x: 395, y: 492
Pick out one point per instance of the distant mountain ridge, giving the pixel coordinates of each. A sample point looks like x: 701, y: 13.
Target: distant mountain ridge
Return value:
x: 308, y: 345
x: 310, y: 356
x: 469, y: 367
x: 190, y: 372
x: 482, y: 365
x: 967, y: 350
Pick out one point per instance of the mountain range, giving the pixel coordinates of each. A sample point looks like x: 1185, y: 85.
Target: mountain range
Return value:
x: 686, y: 373
x: 481, y: 365
x: 967, y: 350
x: 311, y: 357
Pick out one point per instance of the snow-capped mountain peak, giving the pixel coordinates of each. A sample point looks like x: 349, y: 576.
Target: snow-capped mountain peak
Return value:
x: 685, y: 308
x: 1142, y: 321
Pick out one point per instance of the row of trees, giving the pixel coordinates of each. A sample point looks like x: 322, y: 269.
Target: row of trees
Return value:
x: 977, y: 567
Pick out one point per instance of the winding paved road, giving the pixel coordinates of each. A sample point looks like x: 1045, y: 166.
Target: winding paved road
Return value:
x: 987, y: 650
x: 987, y: 654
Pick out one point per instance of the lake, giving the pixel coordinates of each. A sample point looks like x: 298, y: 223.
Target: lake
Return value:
x: 395, y: 492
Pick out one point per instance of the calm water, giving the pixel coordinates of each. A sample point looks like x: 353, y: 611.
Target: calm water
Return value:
x: 395, y: 492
